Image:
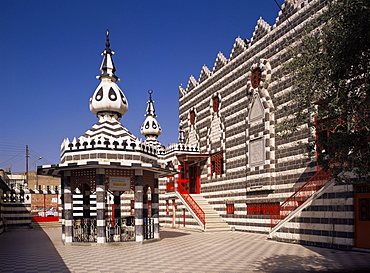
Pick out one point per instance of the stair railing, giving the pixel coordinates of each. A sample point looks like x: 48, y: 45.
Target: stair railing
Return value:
x: 316, y: 182
x: 193, y: 205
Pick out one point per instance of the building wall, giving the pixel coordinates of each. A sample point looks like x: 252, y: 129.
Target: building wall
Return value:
x: 260, y: 168
x: 328, y: 222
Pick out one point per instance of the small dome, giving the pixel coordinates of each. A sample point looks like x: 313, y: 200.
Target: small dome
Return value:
x: 150, y: 128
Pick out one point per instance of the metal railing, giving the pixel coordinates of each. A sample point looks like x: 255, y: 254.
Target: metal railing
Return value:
x: 119, y: 230
x: 316, y: 182
x: 193, y: 205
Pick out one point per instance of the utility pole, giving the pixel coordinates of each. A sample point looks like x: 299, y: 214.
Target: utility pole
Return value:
x: 27, y: 156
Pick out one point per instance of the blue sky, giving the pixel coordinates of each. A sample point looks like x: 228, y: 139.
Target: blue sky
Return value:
x: 50, y: 56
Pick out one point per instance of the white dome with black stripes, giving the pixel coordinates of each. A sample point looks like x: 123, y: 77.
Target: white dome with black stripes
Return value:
x: 150, y: 127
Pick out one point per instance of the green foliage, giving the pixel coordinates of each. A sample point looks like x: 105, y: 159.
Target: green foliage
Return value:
x: 330, y: 73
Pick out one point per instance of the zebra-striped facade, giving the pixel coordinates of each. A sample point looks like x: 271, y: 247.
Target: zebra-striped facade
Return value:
x: 230, y: 113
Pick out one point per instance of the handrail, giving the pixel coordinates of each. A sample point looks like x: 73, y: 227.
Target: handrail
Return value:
x: 317, y: 181
x: 193, y: 205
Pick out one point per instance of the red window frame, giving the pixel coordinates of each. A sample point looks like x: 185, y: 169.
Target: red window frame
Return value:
x: 263, y: 208
x: 230, y: 208
x: 192, y: 117
x: 217, y: 164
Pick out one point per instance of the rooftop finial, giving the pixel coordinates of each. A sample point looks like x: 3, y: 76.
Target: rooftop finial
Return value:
x: 151, y: 128
x: 107, y: 44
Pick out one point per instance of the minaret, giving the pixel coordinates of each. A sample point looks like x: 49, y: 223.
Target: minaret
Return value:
x: 108, y: 101
x: 151, y: 128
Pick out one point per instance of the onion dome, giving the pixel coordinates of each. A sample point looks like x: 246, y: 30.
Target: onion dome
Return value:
x: 150, y: 128
x: 108, y: 99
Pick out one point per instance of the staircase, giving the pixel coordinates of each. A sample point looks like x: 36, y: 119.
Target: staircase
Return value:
x: 213, y: 221
x: 300, y: 199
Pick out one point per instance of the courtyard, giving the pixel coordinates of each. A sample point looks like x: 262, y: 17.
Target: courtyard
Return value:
x: 41, y: 250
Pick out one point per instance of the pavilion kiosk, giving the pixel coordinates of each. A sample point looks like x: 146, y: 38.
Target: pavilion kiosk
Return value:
x: 105, y: 163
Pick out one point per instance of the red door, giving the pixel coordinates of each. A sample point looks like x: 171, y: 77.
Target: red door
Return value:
x: 362, y: 216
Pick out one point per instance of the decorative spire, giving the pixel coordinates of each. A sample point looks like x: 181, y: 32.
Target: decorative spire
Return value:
x: 108, y: 100
x: 151, y: 128
x: 107, y: 67
x: 150, y: 111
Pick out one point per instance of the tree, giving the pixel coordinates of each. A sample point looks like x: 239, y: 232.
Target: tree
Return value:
x: 329, y: 69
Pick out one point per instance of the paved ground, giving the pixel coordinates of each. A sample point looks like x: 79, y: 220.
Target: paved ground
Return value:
x: 41, y: 250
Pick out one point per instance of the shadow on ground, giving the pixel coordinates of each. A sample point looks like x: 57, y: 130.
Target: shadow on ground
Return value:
x: 164, y: 234
x: 292, y: 263
x: 26, y: 250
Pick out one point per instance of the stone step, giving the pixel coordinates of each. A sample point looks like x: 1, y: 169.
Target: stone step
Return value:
x: 214, y: 221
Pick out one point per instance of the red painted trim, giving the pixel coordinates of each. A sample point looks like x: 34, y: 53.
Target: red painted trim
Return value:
x: 45, y: 219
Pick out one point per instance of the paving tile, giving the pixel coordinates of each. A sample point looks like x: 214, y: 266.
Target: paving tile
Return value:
x: 177, y: 251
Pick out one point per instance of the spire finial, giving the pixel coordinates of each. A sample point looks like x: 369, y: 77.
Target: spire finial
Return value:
x: 150, y: 111
x: 107, y: 44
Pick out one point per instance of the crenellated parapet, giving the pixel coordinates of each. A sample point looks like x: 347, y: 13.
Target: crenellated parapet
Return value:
x: 291, y: 11
x: 107, y: 150
x: 178, y: 147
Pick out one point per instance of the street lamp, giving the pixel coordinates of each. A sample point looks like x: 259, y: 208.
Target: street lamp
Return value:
x: 36, y: 170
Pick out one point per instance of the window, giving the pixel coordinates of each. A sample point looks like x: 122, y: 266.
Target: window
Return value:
x: 256, y: 77
x: 217, y: 162
x: 192, y: 117
x: 215, y: 104
x: 230, y: 208
x: 263, y: 208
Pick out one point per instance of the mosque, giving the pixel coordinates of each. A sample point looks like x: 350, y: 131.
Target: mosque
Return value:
x: 228, y: 171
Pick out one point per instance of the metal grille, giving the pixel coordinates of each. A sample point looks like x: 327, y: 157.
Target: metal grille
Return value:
x: 120, y: 230
x: 79, y: 177
x: 217, y: 163
x: 263, y: 209
x: 84, y: 230
x: 256, y: 77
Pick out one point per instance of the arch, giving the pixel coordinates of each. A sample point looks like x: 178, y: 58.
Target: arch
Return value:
x: 261, y: 144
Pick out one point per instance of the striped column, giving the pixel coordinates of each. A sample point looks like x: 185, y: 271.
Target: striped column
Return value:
x: 67, y: 208
x: 145, y: 205
x: 155, y: 208
x: 139, y: 206
x: 100, y: 206
x: 62, y: 206
x: 117, y: 206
